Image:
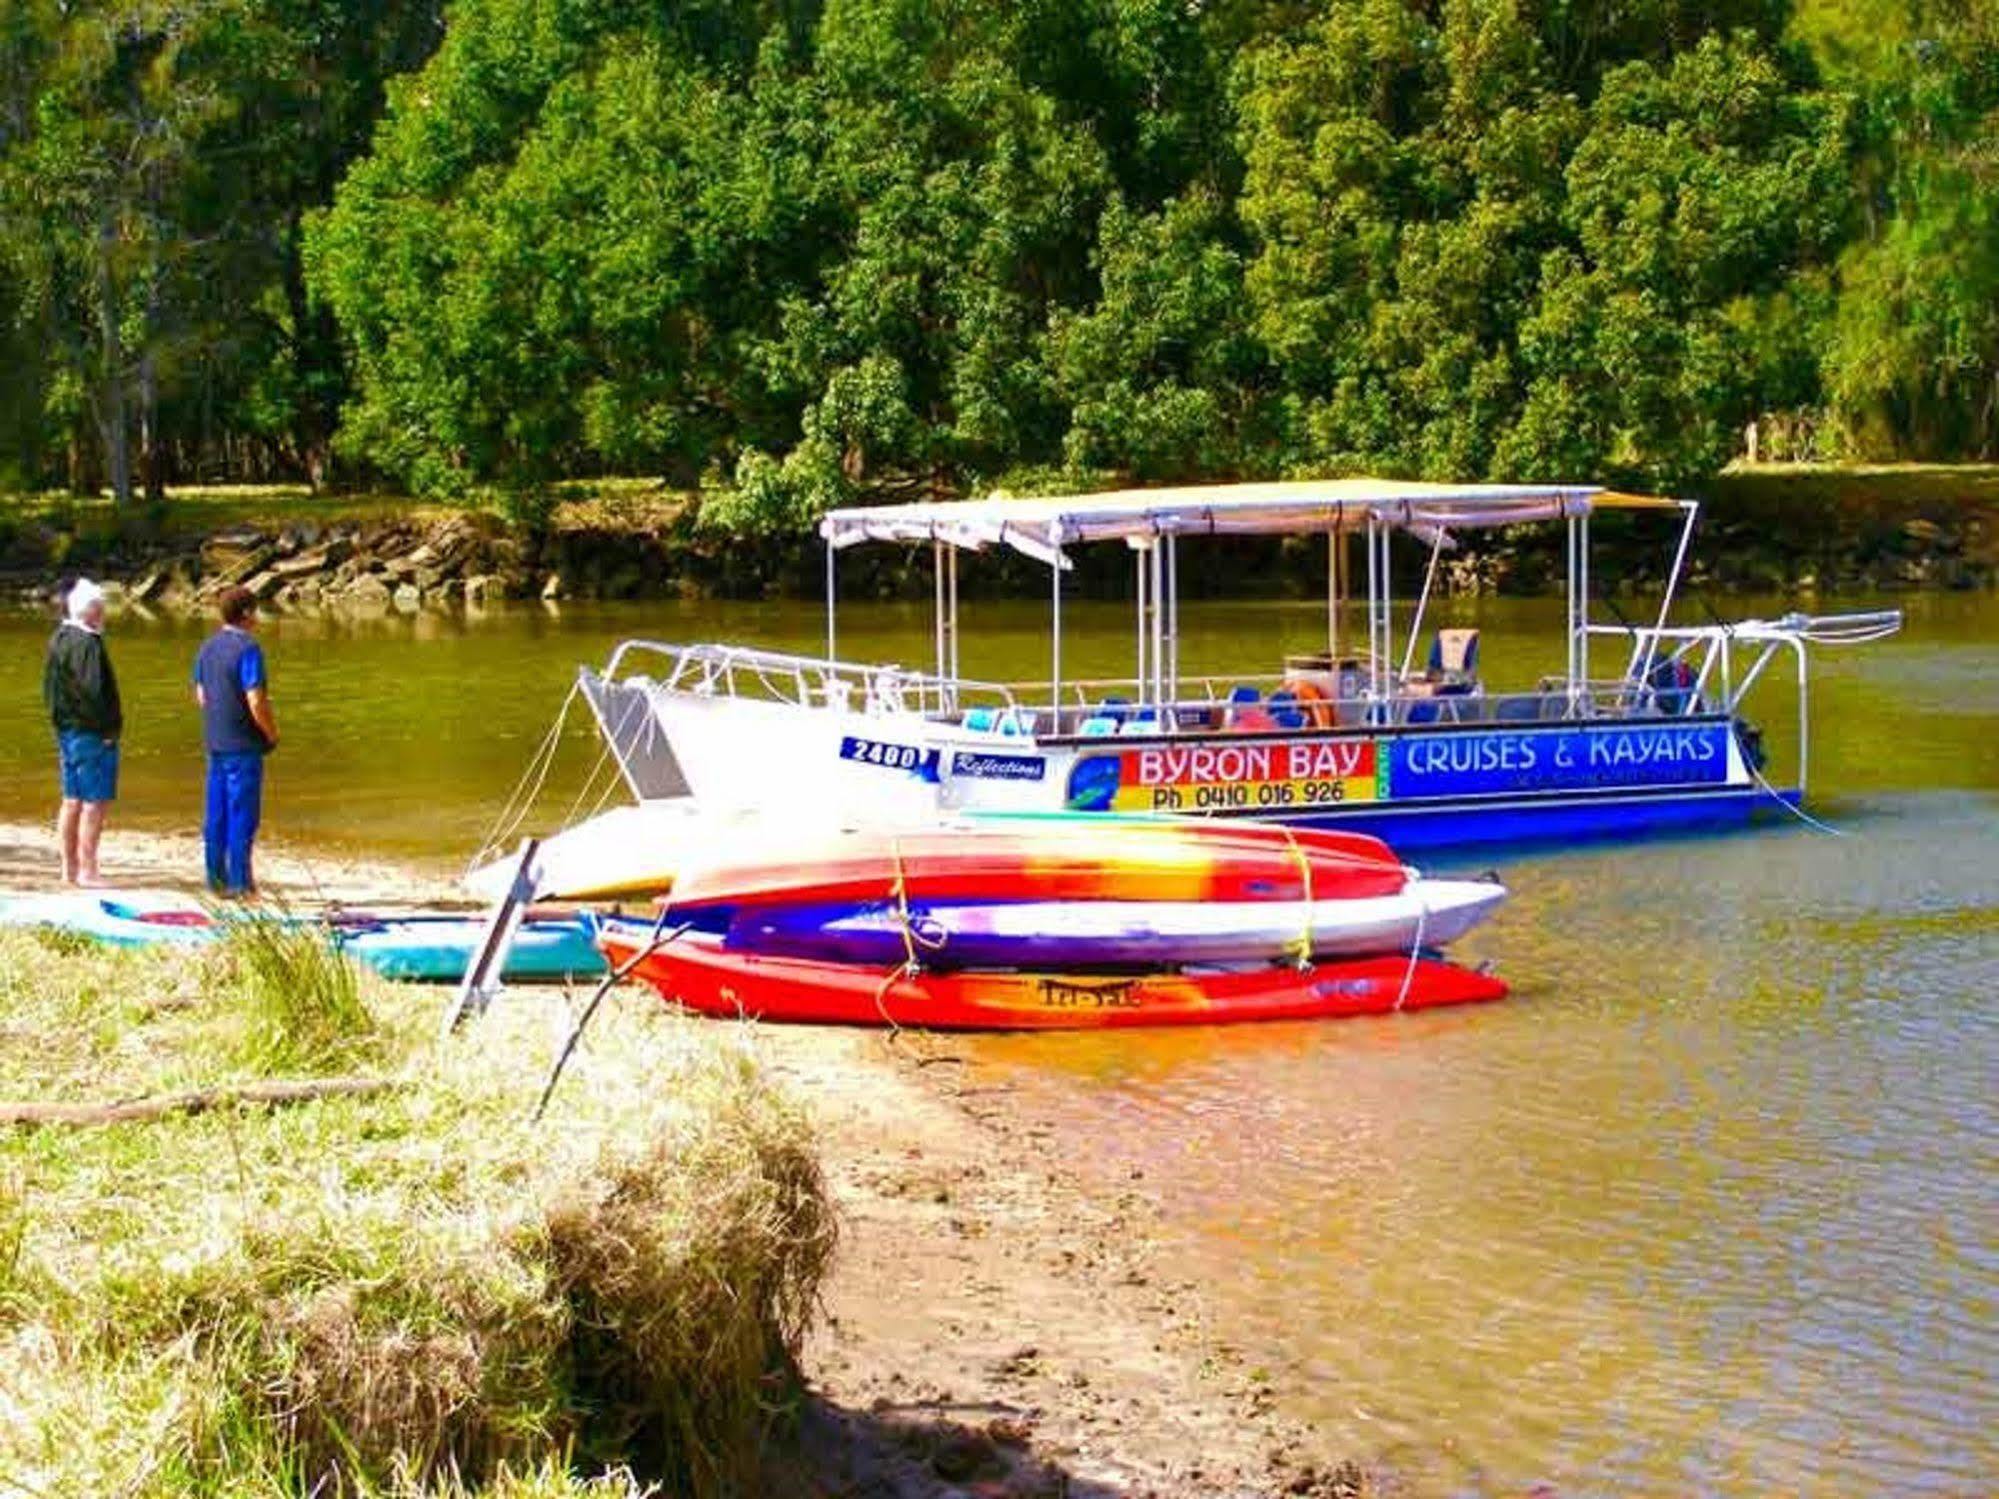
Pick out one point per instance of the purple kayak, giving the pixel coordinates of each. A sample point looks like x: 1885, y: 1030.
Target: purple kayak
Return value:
x: 1040, y: 935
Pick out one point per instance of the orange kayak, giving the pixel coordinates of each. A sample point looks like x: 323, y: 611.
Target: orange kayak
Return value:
x: 1127, y: 861
x: 699, y: 973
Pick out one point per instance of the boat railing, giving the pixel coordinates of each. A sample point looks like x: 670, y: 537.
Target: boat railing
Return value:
x: 1726, y: 659
x: 1111, y: 706
x: 729, y: 671
x: 1240, y: 704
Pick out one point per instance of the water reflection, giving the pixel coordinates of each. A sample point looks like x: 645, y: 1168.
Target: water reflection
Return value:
x: 1709, y: 1207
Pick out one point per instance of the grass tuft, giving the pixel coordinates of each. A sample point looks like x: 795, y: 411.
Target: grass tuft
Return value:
x: 417, y: 1293
x: 299, y: 996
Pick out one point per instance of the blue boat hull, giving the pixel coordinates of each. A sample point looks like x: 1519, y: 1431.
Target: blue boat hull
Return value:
x: 1528, y: 822
x: 1449, y: 786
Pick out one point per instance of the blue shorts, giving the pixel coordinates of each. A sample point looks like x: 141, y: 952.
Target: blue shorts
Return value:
x: 89, y: 766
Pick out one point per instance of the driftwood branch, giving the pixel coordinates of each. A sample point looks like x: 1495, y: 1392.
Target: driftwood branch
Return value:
x: 276, y: 1092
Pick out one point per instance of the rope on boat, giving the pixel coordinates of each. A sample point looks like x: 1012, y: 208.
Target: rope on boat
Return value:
x: 1305, y: 935
x: 889, y: 980
x: 589, y: 786
x: 520, y: 801
x: 912, y: 939
x: 1415, y: 955
x: 658, y: 938
x: 1791, y: 807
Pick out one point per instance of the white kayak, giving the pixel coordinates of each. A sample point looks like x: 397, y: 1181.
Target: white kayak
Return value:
x: 1060, y: 935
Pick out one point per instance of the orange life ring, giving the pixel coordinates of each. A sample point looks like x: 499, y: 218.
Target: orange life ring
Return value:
x: 1312, y: 699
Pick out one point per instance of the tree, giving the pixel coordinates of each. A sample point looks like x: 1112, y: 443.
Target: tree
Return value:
x: 92, y: 192
x: 1507, y: 239
x: 156, y: 160
x: 1912, y: 362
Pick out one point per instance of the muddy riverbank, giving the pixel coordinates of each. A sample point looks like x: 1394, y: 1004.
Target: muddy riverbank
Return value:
x: 1771, y: 530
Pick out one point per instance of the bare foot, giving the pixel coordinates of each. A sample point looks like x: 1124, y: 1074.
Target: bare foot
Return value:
x: 92, y: 881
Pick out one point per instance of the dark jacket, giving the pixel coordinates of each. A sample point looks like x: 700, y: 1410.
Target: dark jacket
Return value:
x: 79, y: 685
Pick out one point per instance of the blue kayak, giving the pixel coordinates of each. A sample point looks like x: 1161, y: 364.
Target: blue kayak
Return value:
x: 436, y: 949
x: 417, y: 948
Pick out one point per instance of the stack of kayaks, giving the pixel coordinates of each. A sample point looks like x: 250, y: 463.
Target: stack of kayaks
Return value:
x: 419, y: 946
x: 1038, y: 925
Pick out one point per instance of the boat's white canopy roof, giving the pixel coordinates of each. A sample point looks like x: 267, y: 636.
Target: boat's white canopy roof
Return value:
x: 1043, y: 525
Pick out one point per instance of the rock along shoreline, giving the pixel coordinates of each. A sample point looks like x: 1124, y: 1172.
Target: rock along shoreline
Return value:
x: 1764, y: 532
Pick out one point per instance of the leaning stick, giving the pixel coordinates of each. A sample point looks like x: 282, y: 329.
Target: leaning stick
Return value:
x: 158, y: 1107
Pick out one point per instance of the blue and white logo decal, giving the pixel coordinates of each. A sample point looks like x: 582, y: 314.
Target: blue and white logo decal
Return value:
x: 986, y: 766
x: 921, y: 763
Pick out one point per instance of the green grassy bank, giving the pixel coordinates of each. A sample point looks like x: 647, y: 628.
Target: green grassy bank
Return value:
x: 405, y: 1291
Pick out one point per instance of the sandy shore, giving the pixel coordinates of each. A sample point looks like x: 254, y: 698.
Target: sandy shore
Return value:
x: 991, y: 1327
x: 994, y: 1328
x: 305, y: 879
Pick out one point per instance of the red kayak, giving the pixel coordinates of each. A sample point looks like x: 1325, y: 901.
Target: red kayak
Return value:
x: 696, y: 971
x: 1054, y: 861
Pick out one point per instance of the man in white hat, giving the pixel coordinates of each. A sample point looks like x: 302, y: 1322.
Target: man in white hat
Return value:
x: 81, y: 691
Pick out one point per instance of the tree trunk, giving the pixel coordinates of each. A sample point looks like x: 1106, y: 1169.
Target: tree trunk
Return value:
x: 112, y: 415
x: 152, y: 457
x: 315, y: 362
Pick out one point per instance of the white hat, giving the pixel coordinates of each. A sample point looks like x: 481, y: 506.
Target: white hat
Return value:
x: 81, y: 597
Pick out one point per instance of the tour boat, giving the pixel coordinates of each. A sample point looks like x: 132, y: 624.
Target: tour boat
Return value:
x: 701, y: 973
x: 1372, y: 733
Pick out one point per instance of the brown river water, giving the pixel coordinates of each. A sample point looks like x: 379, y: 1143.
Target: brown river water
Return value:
x: 1711, y: 1206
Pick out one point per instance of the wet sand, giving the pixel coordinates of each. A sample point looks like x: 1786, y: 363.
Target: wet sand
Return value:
x: 295, y: 877
x: 999, y: 1330
x: 990, y: 1328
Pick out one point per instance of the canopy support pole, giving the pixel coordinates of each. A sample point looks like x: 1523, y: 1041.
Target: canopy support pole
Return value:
x: 1055, y: 642
x: 1334, y: 589
x: 1569, y: 611
x: 1672, y: 586
x: 951, y: 560
x: 1173, y: 621
x: 831, y: 554
x: 1422, y: 602
x: 937, y: 616
x: 1380, y: 608
x: 1157, y: 562
x: 1139, y: 564
x: 1582, y: 600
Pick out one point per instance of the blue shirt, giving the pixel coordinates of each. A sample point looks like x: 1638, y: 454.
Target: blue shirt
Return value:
x: 229, y: 666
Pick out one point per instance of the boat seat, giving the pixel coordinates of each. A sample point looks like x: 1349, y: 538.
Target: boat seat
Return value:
x: 1288, y: 718
x: 1244, y: 703
x: 1142, y: 721
x: 1117, y: 709
x: 1098, y: 726
x: 1454, y: 662
x: 979, y: 720
x: 1672, y: 682
x: 1016, y: 721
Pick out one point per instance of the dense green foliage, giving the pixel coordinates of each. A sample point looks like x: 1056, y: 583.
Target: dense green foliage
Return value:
x: 793, y: 250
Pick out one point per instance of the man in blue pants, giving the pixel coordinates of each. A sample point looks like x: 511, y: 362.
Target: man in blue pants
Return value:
x: 237, y: 723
